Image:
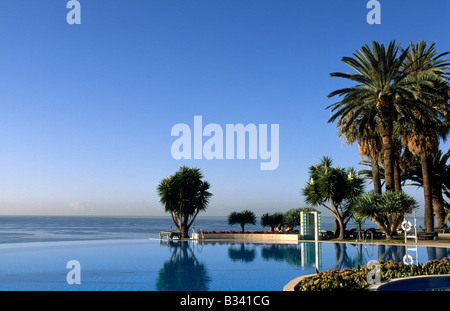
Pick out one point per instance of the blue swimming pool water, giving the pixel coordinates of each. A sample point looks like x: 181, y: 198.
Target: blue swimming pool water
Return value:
x: 423, y: 283
x: 154, y: 265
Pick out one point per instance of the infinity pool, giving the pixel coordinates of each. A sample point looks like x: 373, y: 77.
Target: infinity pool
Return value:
x: 155, y: 265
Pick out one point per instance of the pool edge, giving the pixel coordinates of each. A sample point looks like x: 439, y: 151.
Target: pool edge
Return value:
x: 376, y: 287
x: 289, y: 287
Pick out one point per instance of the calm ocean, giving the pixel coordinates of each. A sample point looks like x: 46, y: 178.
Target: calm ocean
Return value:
x: 18, y: 229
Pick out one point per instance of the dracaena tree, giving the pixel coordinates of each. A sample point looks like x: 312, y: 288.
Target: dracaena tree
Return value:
x: 335, y: 189
x: 386, y: 210
x: 184, y: 194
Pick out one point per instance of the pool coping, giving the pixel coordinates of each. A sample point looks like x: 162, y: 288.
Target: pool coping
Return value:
x: 375, y: 287
x: 289, y: 287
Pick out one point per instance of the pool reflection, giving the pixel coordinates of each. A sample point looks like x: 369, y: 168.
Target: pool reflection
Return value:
x: 310, y: 254
x: 242, y: 252
x: 183, y: 270
x: 189, y: 261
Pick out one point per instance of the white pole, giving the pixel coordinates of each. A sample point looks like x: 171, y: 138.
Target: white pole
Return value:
x: 415, y: 227
x: 301, y: 224
x: 316, y: 226
x: 316, y: 248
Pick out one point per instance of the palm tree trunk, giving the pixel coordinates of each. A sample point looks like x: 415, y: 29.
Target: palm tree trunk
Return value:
x: 397, y: 179
x: 376, y: 176
x: 386, y: 128
x: 427, y: 192
x: 438, y: 206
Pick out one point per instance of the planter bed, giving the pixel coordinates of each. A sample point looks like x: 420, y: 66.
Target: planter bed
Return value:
x: 356, y: 278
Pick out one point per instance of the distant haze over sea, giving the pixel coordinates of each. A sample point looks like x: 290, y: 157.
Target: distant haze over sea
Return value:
x: 19, y: 229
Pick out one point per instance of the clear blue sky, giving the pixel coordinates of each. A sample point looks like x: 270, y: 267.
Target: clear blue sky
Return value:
x: 87, y: 110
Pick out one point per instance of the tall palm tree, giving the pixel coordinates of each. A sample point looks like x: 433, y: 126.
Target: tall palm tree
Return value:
x: 363, y: 129
x: 440, y: 176
x: 381, y: 82
x: 441, y: 185
x: 184, y: 195
x: 368, y: 173
x: 422, y: 136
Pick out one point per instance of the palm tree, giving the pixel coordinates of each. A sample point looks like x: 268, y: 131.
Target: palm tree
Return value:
x: 422, y: 136
x: 440, y: 186
x: 184, y: 195
x: 335, y: 189
x: 402, y: 161
x: 440, y: 177
x: 273, y: 221
x: 242, y: 218
x: 381, y: 82
x: 368, y: 173
x: 363, y: 129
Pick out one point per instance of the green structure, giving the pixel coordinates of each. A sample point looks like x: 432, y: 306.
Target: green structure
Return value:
x: 310, y: 225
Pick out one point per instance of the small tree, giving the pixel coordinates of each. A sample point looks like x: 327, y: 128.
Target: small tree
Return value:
x: 386, y: 210
x: 335, y: 189
x: 273, y: 221
x: 242, y: 218
x: 184, y: 195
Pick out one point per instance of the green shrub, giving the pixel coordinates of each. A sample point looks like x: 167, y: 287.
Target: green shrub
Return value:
x: 356, y: 278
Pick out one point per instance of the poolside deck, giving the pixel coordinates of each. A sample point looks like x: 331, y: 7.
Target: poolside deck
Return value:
x: 443, y: 240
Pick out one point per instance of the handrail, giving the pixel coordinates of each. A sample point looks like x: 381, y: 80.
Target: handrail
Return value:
x: 199, y: 230
x: 364, y: 235
x: 371, y: 235
x: 358, y: 235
